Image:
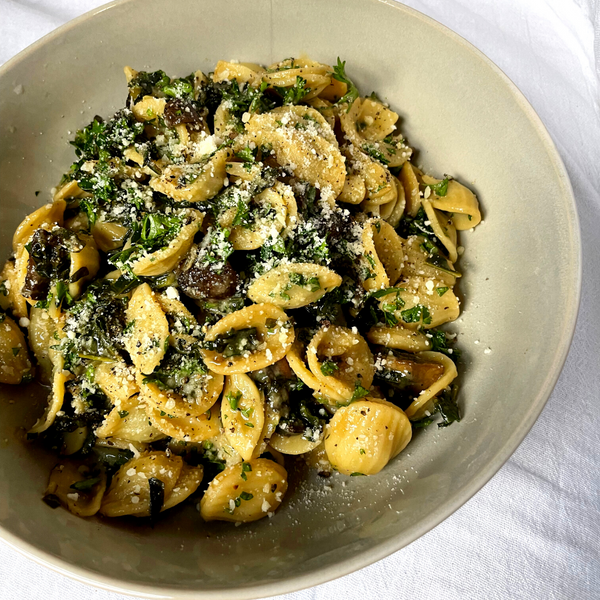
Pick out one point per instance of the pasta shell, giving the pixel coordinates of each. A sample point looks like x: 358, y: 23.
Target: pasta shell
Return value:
x: 148, y: 108
x: 410, y: 183
x: 167, y: 258
x: 389, y: 248
x: 193, y: 182
x: 80, y: 503
x: 243, y: 495
x: 422, y: 402
x: 303, y: 142
x: 242, y: 414
x: 279, y: 199
x: 49, y: 214
x: 147, y: 339
x: 293, y: 444
x: 374, y: 277
x: 116, y: 380
x: 41, y: 336
x: 129, y: 421
x: 129, y: 492
x: 171, y: 404
x: 186, y: 429
x: 363, y: 437
x: 56, y: 399
x: 274, y: 336
x: 399, y: 338
x: 417, y: 304
x: 87, y: 258
x: 458, y: 200
x: 443, y: 228
x: 351, y: 355
x: 241, y: 72
x: 14, y: 355
x: 108, y: 236
x: 294, y: 285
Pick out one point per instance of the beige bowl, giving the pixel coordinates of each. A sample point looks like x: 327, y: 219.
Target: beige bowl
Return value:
x: 520, y: 291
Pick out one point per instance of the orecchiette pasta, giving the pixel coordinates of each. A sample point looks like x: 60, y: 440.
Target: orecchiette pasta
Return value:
x: 302, y: 141
x: 242, y: 268
x: 294, y: 285
x: 242, y: 414
x: 149, y: 329
x: 245, y: 492
x: 148, y: 485
x: 72, y: 486
x: 248, y: 340
x: 364, y: 436
x: 167, y: 258
x: 14, y: 355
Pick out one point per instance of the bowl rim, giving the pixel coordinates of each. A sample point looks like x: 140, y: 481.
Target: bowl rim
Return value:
x: 450, y: 505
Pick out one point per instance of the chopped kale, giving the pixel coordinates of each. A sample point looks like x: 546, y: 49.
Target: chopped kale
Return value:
x: 157, y: 496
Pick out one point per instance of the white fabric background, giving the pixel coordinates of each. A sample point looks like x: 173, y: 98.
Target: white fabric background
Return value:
x: 534, y: 531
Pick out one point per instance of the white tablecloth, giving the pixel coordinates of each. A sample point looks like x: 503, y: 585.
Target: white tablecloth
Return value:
x: 534, y: 531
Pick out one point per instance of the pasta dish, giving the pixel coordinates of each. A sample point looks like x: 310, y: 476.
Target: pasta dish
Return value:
x: 237, y: 269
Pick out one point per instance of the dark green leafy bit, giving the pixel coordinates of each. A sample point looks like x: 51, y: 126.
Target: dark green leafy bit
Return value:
x: 157, y: 496
x: 101, y: 140
x: 111, y: 459
x: 97, y: 321
x: 235, y: 342
x: 49, y: 262
x: 156, y: 232
x: 182, y: 368
x: 357, y: 474
x: 359, y: 392
x: 246, y: 468
x: 393, y: 303
x: 447, y: 406
x: 439, y: 343
x: 305, y: 416
x: 246, y: 99
x: 217, y: 248
x: 414, y: 314
x: 440, y: 188
x: 216, y: 309
x: 328, y: 368
x: 159, y: 84
x: 238, y: 501
x: 85, y: 485
x: 422, y: 423
x: 339, y: 73
x: 294, y: 94
x: 234, y: 399
x: 312, y: 284
x: 123, y: 414
x: 375, y: 153
x: 419, y: 225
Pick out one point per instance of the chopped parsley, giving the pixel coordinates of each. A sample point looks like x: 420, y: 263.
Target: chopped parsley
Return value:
x: 414, y: 314
x: 328, y: 368
x: 339, y: 73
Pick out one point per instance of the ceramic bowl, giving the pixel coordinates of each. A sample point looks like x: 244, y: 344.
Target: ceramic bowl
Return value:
x: 520, y: 290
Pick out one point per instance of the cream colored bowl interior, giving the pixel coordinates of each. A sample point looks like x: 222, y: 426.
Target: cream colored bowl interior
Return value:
x: 520, y: 291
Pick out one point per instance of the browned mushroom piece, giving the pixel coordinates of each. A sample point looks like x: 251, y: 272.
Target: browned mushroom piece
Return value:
x: 179, y: 111
x: 202, y: 281
x: 48, y: 256
x: 407, y: 372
